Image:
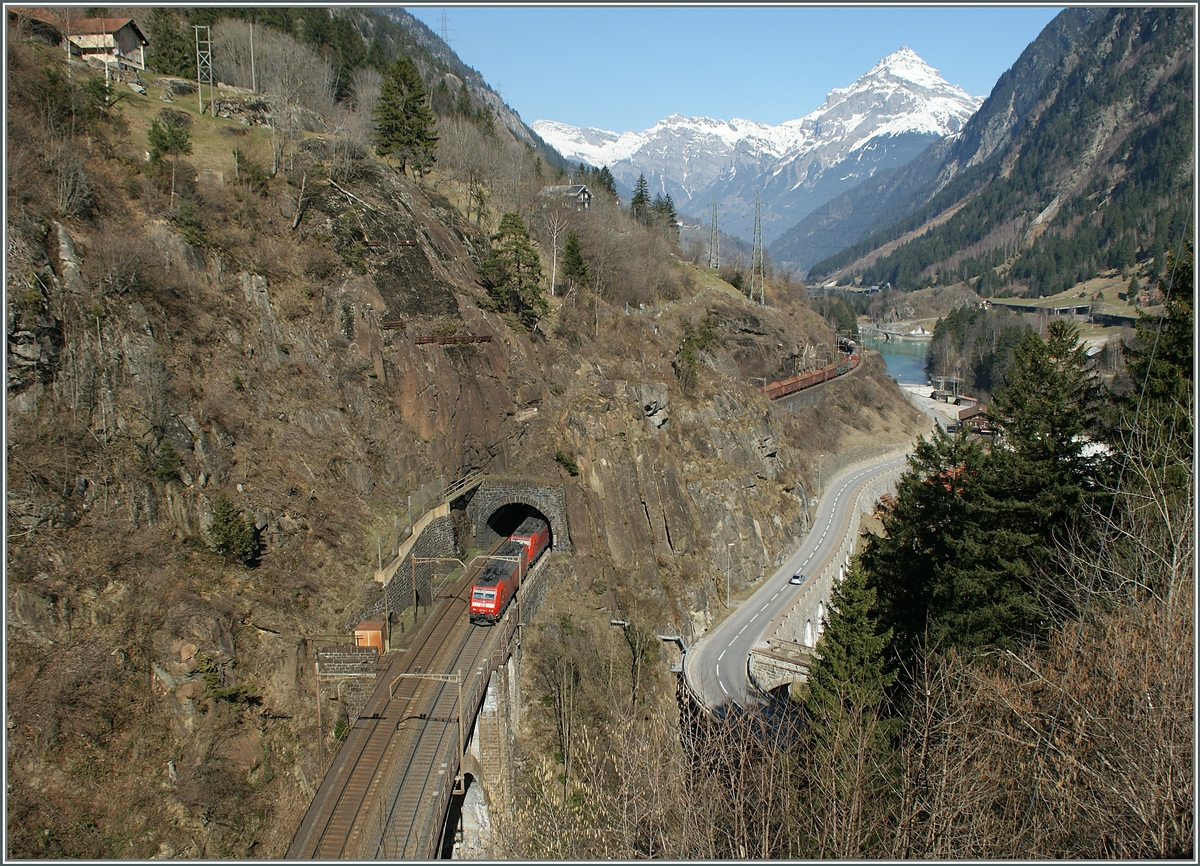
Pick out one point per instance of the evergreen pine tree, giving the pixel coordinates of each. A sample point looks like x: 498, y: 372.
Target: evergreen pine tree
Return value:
x: 848, y: 736
x: 1161, y: 359
x: 463, y: 105
x: 169, y: 52
x: 848, y: 669
x: 574, y: 268
x: 1049, y: 404
x: 403, y: 118
x: 639, y: 205
x: 606, y: 182
x: 513, y: 273
x: 169, y: 136
x: 230, y: 534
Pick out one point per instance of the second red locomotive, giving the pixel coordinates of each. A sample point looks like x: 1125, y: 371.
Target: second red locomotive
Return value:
x: 498, y: 583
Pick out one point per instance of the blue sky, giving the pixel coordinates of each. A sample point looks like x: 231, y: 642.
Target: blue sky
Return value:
x: 624, y: 67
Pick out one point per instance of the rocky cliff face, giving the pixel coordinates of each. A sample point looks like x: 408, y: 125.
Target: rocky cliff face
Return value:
x: 291, y: 380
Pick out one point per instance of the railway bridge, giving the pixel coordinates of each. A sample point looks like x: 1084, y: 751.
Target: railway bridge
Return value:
x: 443, y: 710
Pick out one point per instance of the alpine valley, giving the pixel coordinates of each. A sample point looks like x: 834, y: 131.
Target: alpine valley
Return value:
x: 882, y: 120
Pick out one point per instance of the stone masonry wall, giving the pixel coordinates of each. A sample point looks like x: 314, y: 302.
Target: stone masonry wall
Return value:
x: 491, y: 495
x: 358, y: 666
x: 437, y: 539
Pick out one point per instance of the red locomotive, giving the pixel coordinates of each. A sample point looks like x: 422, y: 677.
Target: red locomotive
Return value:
x: 498, y: 583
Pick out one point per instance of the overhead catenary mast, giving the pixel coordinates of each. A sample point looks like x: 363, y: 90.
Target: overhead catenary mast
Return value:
x: 714, y: 241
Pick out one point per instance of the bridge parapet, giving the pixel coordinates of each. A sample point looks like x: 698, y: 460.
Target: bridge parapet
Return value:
x: 778, y: 663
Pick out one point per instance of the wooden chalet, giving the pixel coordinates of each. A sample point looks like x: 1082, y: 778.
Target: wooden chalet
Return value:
x: 577, y: 193
x: 975, y: 418
x: 116, y: 41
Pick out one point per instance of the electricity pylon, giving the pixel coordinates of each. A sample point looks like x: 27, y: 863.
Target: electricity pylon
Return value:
x: 714, y: 241
x: 757, y: 268
x: 204, y: 72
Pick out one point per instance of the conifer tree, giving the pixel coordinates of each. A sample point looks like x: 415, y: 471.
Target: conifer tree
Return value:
x: 639, y: 205
x: 849, y: 667
x: 1161, y: 355
x: 1049, y: 403
x: 169, y: 136
x: 846, y: 731
x: 169, y: 52
x: 574, y: 268
x: 403, y: 118
x: 513, y: 273
x: 606, y: 182
x: 230, y: 534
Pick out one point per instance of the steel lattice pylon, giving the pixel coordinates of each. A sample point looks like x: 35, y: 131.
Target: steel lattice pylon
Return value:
x: 204, y: 71
x: 757, y: 268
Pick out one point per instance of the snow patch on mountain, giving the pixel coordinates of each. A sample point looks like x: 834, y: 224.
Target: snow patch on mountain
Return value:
x: 898, y: 106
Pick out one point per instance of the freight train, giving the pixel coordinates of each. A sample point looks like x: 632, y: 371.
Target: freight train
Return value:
x: 792, y: 384
x: 499, y: 581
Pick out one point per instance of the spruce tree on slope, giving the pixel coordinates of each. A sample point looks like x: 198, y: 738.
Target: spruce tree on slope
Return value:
x: 513, y: 273
x: 850, y: 763
x: 169, y: 52
x: 1161, y: 355
x: 574, y: 268
x: 639, y: 205
x: 403, y: 118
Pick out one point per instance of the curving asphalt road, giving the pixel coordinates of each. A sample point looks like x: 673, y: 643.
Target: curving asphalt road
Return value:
x: 716, y: 666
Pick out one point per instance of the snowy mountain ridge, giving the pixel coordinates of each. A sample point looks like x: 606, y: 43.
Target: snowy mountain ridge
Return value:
x: 892, y: 112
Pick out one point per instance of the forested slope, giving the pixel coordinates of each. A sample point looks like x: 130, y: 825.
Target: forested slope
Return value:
x: 1045, y: 191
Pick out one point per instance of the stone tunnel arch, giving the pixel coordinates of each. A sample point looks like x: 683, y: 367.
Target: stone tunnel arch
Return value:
x: 496, y: 504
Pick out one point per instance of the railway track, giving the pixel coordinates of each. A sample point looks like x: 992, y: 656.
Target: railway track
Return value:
x: 387, y: 786
x: 334, y: 827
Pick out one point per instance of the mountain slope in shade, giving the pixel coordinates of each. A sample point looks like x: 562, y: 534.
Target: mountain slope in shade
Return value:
x: 1091, y: 170
x: 882, y: 120
x: 890, y: 196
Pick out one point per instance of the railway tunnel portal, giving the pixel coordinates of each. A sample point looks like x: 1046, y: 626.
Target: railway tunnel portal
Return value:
x: 497, y: 507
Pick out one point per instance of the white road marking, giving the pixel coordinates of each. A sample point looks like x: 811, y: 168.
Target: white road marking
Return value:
x: 753, y: 618
x: 725, y: 690
x: 765, y: 606
x: 722, y: 655
x: 718, y: 672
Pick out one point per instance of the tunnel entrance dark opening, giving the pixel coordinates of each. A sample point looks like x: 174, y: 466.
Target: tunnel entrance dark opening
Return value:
x: 505, y: 519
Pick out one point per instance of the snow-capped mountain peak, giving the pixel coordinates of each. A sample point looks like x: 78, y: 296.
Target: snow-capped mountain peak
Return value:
x: 886, y: 117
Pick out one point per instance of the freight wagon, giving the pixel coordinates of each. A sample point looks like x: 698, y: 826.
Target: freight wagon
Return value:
x: 792, y: 384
